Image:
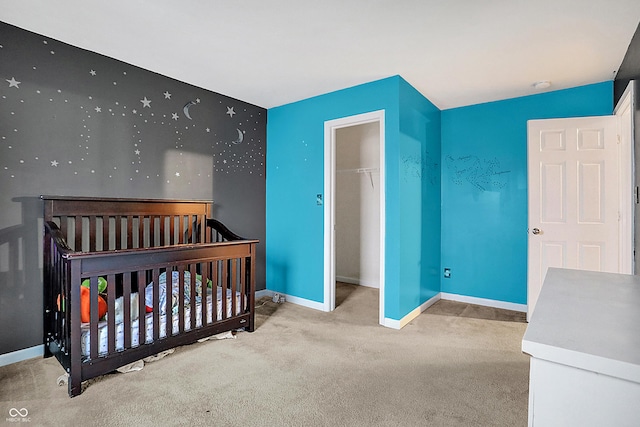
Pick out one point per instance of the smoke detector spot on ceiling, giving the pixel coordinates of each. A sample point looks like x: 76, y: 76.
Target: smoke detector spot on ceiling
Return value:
x: 543, y: 84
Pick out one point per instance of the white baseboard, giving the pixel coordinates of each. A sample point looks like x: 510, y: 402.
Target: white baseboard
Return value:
x: 20, y: 355
x: 303, y: 302
x: 357, y: 281
x: 483, y: 301
x: 288, y: 298
x: 399, y: 324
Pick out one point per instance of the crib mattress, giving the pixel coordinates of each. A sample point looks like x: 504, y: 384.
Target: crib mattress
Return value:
x: 173, y: 330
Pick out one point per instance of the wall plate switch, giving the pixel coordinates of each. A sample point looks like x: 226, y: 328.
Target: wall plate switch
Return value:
x: 447, y: 273
x: 319, y: 199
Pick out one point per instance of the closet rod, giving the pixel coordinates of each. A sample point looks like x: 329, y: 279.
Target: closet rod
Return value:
x: 359, y: 170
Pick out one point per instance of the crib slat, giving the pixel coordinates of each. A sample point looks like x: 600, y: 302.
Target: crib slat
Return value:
x: 215, y: 315
x: 111, y: 319
x: 172, y: 230
x: 204, y: 267
x: 156, y: 303
x: 193, y: 294
x: 162, y: 230
x: 181, y: 235
x: 105, y: 233
x: 142, y: 294
x: 234, y: 279
x: 129, y: 231
x: 126, y: 302
x: 141, y: 231
x: 93, y: 316
x: 92, y: 233
x: 224, y: 283
x: 78, y: 234
x: 203, y: 229
x: 190, y: 229
x: 243, y: 285
x: 118, y: 219
x: 152, y: 231
x: 180, y: 298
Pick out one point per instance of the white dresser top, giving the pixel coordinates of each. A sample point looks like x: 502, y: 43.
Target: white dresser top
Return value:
x: 588, y: 320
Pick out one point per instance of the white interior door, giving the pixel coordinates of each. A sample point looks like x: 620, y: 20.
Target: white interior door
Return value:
x: 574, y: 197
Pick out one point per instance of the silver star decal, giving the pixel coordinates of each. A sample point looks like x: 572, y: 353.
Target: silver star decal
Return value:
x: 174, y: 116
x: 54, y: 163
x: 230, y: 111
x: 167, y: 95
x: 98, y: 110
x: 13, y: 82
x: 92, y: 72
x: 146, y: 102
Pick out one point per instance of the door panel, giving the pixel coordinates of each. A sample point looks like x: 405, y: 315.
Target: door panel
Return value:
x: 553, y: 199
x: 573, y: 197
x: 591, y: 190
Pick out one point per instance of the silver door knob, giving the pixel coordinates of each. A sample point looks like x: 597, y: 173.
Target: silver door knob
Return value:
x: 536, y: 231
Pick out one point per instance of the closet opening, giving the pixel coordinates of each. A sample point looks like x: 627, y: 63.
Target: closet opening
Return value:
x: 354, y: 211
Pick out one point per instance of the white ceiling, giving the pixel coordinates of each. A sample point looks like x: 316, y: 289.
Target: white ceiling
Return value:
x: 272, y: 52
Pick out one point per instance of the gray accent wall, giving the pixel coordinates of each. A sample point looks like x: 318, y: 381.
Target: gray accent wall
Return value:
x: 73, y: 122
x: 629, y: 69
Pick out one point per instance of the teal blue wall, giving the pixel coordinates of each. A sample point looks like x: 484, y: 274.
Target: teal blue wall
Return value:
x: 418, y: 209
x: 484, y: 187
x: 295, y: 174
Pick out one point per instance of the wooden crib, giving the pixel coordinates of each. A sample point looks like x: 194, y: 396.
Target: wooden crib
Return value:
x: 146, y: 252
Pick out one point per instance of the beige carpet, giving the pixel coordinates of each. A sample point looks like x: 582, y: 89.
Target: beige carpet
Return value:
x: 303, y: 367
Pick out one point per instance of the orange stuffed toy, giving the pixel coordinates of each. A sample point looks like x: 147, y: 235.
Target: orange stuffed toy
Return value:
x: 85, y: 305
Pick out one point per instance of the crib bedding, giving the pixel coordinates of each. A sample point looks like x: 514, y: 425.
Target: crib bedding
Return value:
x: 174, y: 329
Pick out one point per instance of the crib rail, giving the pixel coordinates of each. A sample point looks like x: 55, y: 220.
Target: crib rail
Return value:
x: 103, y: 224
x: 220, y: 233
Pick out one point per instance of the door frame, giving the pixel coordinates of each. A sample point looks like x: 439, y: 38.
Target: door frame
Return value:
x: 626, y: 176
x: 330, y: 128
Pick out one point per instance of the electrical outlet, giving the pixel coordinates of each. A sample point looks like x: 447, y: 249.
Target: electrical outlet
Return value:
x: 447, y: 273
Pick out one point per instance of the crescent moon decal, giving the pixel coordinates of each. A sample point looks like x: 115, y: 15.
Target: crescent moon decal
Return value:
x: 185, y: 109
x: 240, y: 137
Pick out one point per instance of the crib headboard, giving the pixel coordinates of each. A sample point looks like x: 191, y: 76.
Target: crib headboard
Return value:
x: 92, y: 224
